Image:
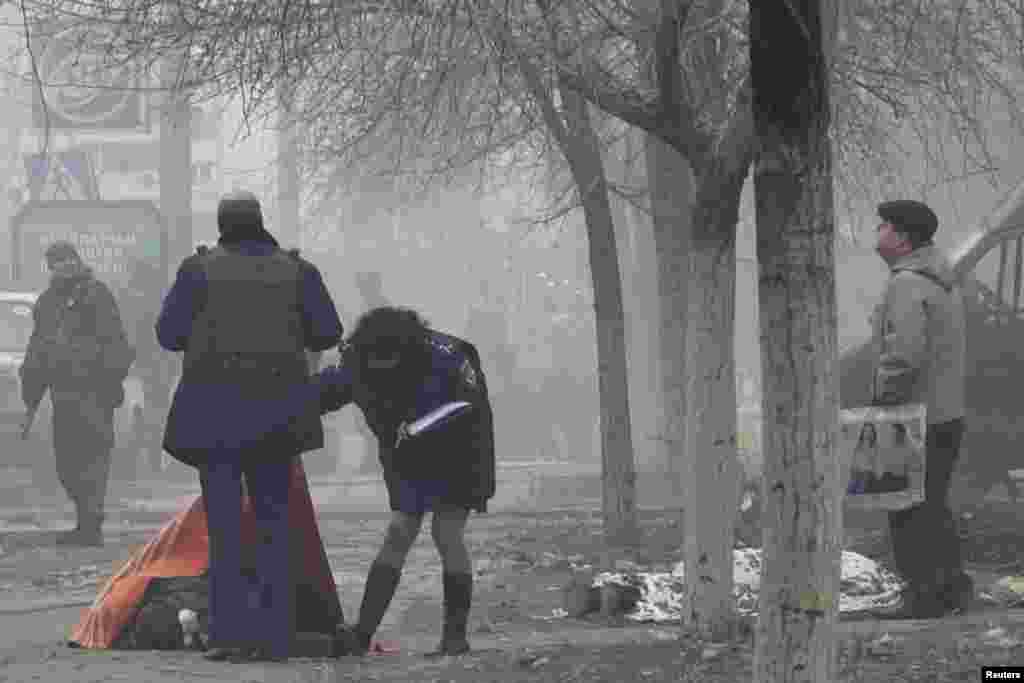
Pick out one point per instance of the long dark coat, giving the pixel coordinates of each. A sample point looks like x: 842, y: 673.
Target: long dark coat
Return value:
x: 462, y: 452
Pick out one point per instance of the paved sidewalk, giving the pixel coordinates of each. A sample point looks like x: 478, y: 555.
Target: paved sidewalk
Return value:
x: 36, y: 653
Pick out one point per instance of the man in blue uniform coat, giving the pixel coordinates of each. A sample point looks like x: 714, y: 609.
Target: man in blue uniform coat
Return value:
x: 245, y: 314
x: 397, y: 370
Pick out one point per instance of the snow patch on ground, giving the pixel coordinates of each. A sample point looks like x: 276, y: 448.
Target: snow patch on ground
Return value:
x: 865, y: 585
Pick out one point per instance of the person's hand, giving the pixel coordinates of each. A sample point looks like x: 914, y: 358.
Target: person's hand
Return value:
x: 402, y: 435
x: 25, y: 426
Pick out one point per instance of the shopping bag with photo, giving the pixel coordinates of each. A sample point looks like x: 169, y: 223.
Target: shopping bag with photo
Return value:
x: 883, y: 456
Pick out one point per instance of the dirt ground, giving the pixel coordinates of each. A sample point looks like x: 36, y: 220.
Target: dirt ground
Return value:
x: 522, y: 561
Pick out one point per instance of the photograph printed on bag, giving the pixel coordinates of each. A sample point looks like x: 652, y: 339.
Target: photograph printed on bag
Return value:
x: 884, y: 456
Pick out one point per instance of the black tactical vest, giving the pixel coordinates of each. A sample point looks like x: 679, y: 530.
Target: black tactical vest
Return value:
x: 250, y: 327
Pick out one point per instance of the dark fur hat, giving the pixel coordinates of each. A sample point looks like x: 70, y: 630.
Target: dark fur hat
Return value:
x: 240, y: 218
x: 914, y: 219
x: 61, y: 251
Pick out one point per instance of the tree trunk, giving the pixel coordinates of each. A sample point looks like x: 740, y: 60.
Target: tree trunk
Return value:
x: 713, y: 480
x: 574, y: 132
x: 642, y: 308
x: 802, y: 508
x: 618, y: 469
x: 671, y: 186
x: 634, y: 305
x: 636, y: 263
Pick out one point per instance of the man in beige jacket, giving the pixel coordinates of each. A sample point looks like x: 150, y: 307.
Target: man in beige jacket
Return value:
x: 920, y: 337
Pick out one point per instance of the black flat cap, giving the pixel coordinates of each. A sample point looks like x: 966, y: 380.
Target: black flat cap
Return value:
x: 239, y: 201
x: 61, y: 251
x: 239, y: 211
x: 911, y: 217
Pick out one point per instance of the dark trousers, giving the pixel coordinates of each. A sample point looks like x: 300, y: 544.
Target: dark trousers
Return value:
x: 83, y: 437
x: 250, y: 606
x: 925, y: 541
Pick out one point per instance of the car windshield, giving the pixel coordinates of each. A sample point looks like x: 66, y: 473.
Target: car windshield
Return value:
x: 15, y: 325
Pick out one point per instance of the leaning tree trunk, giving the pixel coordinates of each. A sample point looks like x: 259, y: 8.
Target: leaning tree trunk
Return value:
x: 618, y: 468
x: 648, y: 412
x: 574, y: 132
x: 802, y: 508
x: 635, y: 244
x: 714, y: 478
x: 671, y: 187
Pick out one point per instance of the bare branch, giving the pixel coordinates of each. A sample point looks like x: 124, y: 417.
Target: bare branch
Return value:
x: 437, y: 84
x: 37, y: 82
x: 736, y: 145
x: 630, y: 107
x: 674, y: 109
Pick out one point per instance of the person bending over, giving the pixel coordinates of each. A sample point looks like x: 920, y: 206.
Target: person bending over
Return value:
x: 397, y: 370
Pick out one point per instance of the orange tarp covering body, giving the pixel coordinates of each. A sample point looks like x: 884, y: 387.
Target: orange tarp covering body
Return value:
x: 181, y: 548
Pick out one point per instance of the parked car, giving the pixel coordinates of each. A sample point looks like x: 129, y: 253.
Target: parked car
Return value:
x: 15, y: 330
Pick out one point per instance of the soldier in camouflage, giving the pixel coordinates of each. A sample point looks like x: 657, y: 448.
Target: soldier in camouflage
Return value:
x: 79, y: 352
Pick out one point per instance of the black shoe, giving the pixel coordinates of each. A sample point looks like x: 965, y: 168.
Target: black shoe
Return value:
x: 1011, y: 489
x: 861, y: 482
x: 958, y: 594
x: 223, y: 654
x: 363, y: 642
x: 81, y: 538
x: 91, y: 538
x: 872, y: 482
x: 348, y: 643
x: 69, y: 537
x: 314, y: 645
x: 915, y: 604
x: 258, y: 654
x: 890, y: 483
x: 450, y: 648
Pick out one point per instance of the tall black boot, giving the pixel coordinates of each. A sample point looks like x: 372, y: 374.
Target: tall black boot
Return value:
x: 458, y: 599
x: 381, y: 583
x: 916, y: 602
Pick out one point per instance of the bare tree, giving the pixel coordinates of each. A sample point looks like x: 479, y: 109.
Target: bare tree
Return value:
x: 618, y: 471
x: 670, y: 185
x: 698, y: 106
x: 795, y: 237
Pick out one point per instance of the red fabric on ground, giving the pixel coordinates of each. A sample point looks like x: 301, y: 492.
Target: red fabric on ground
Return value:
x: 181, y: 548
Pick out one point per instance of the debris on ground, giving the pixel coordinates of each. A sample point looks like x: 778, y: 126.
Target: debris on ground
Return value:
x: 1007, y: 592
x: 1001, y: 638
x: 657, y: 596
